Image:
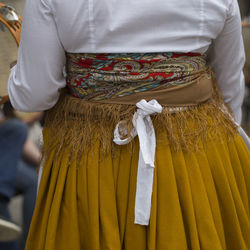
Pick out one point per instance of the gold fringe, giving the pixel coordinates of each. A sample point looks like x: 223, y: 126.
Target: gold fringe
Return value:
x: 77, y: 124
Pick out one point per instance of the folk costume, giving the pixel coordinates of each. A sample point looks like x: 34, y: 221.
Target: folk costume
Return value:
x: 142, y: 147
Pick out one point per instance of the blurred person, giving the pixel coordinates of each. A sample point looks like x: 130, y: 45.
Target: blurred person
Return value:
x: 19, y: 158
x: 34, y: 122
x: 245, y: 11
x: 12, y: 138
x: 18, y: 155
x: 143, y: 68
x: 246, y: 106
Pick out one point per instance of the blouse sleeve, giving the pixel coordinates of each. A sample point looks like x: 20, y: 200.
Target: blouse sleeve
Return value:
x: 35, y: 81
x: 227, y: 58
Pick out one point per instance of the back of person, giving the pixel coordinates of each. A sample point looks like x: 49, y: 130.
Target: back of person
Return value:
x: 211, y: 27
x: 183, y: 183
x: 140, y: 26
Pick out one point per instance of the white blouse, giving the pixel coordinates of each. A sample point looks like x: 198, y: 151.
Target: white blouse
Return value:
x: 51, y: 27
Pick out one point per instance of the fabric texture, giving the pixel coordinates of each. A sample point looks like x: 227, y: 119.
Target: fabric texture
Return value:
x: 200, y: 200
x: 89, y: 186
x: 170, y: 78
x: 51, y: 27
x: 104, y: 77
x: 96, y: 77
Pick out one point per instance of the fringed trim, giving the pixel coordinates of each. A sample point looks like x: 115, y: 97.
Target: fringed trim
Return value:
x: 77, y: 124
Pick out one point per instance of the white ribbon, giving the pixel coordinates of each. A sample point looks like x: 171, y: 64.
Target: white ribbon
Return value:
x: 244, y: 136
x: 143, y: 127
x: 40, y: 172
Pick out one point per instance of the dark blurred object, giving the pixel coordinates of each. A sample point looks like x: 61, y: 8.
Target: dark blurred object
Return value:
x: 246, y: 39
x: 29, y: 119
x: 246, y: 104
x: 244, y: 7
x: 8, y: 110
x: 19, y: 159
x: 3, y: 99
x: 13, y: 134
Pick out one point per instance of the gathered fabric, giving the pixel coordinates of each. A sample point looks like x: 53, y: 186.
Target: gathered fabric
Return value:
x: 166, y: 76
x: 183, y: 183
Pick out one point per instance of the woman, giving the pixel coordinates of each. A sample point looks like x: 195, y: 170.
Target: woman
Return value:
x: 136, y: 68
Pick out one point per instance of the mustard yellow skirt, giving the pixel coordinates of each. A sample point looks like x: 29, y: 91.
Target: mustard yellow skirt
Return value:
x: 201, y: 200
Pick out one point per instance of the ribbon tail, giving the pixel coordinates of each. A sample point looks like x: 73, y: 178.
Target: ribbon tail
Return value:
x: 244, y: 136
x: 117, y: 137
x: 40, y: 172
x: 144, y: 189
x: 147, y: 141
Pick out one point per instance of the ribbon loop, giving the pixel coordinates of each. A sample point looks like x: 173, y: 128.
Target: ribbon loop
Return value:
x: 143, y: 127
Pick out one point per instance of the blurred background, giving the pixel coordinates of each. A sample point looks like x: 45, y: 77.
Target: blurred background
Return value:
x: 245, y: 13
x: 8, y: 48
x: 21, y: 206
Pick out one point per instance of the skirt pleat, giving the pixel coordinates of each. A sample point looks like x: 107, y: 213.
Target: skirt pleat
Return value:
x: 200, y: 199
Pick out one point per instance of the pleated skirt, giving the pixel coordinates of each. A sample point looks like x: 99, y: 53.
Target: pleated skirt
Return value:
x: 201, y: 199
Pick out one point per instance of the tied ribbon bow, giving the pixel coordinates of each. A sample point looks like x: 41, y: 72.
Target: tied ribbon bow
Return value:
x: 143, y: 127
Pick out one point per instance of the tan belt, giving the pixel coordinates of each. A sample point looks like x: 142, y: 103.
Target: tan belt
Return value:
x: 193, y: 93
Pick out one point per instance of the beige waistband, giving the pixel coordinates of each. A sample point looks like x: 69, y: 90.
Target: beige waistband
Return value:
x: 190, y: 94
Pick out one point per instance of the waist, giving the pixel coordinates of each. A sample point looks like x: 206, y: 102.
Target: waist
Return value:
x: 186, y: 90
x: 170, y: 78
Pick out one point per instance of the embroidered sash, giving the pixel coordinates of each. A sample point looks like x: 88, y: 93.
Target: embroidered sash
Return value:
x: 128, y: 78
